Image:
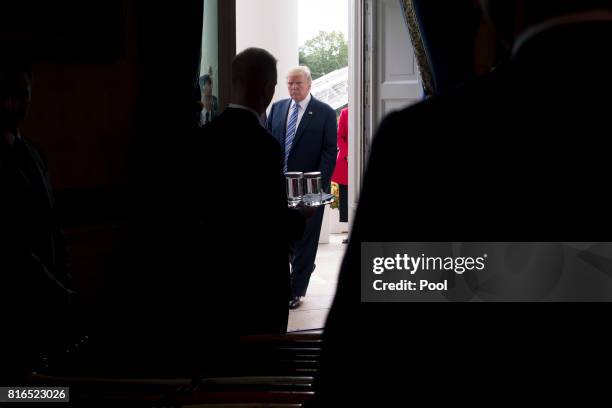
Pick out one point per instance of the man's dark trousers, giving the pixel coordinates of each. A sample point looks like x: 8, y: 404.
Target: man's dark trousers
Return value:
x: 303, y: 253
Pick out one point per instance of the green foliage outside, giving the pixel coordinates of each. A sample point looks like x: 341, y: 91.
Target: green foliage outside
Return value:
x: 325, y: 53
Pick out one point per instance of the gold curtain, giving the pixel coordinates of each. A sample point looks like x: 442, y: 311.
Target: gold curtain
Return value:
x: 417, y: 44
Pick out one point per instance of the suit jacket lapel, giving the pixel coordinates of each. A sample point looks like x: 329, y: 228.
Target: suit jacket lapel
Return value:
x: 306, y: 118
x: 284, y: 111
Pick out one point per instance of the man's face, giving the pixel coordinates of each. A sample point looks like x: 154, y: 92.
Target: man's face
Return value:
x: 298, y: 86
x: 15, y: 97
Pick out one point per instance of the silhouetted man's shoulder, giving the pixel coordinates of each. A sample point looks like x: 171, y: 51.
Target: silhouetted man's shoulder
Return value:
x: 442, y: 118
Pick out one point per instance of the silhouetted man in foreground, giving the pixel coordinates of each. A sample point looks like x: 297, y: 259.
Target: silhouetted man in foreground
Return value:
x: 35, y: 290
x: 246, y: 226
x: 515, y: 156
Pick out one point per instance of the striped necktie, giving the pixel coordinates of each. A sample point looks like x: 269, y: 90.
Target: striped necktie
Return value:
x: 291, y: 130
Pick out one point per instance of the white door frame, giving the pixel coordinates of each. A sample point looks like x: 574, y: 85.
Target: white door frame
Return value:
x: 373, y: 90
x: 356, y: 156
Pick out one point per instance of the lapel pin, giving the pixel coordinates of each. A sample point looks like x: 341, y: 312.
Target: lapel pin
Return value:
x: 310, y: 112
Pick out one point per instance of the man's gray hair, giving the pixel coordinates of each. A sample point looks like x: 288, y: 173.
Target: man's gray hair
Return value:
x: 254, y: 66
x: 302, y: 69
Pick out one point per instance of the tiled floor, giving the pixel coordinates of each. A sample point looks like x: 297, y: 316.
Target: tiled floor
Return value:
x: 313, y: 311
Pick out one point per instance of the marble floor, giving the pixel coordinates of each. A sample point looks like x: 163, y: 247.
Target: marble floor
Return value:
x: 313, y: 311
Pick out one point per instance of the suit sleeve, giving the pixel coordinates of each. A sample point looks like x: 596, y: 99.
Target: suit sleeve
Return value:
x: 330, y: 149
x: 278, y: 284
x: 26, y: 283
x: 270, y: 119
x: 62, y: 256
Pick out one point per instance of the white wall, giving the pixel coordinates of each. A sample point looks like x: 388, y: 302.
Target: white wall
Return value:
x: 272, y: 25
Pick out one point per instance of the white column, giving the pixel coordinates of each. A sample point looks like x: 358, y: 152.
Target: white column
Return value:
x: 272, y: 25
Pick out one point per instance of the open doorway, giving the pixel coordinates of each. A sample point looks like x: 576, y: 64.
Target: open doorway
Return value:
x: 313, y: 33
x: 379, y: 75
x: 323, y: 46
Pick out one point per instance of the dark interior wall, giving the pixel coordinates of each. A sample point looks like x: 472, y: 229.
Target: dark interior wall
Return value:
x: 112, y: 101
x: 82, y: 117
x: 112, y: 105
x: 82, y: 112
x: 85, y: 93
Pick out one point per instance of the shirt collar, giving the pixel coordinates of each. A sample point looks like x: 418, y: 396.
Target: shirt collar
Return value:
x: 304, y: 103
x: 236, y: 106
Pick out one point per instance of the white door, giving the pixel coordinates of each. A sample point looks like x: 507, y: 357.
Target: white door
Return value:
x: 383, y: 74
x: 390, y: 60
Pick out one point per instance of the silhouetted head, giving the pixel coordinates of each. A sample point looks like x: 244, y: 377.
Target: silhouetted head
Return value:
x: 254, y: 78
x: 15, y: 94
x: 299, y: 81
x: 512, y: 17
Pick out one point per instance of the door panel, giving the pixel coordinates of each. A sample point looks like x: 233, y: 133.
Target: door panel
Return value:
x: 397, y: 82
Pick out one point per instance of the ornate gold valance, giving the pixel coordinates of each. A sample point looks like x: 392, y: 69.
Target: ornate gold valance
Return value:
x: 417, y: 44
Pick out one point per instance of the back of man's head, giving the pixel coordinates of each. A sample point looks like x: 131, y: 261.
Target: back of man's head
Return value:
x: 254, y: 78
x: 253, y: 68
x: 511, y: 17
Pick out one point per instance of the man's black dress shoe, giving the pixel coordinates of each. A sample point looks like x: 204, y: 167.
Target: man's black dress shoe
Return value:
x: 295, y: 302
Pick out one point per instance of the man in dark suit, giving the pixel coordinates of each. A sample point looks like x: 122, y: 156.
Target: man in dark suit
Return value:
x: 246, y: 226
x: 34, y: 280
x: 513, y: 156
x: 306, y: 130
x: 210, y: 103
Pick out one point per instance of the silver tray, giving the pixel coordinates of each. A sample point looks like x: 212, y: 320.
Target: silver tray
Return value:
x: 315, y: 200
